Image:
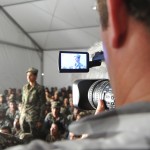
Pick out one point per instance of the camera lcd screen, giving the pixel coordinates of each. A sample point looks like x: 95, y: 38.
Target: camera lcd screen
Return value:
x: 73, y: 61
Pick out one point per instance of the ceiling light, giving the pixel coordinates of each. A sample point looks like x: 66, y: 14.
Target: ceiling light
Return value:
x: 94, y: 8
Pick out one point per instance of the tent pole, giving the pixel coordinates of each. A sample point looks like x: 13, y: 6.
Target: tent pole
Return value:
x: 42, y: 68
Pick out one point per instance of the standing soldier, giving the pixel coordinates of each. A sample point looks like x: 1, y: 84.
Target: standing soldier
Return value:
x: 33, y: 100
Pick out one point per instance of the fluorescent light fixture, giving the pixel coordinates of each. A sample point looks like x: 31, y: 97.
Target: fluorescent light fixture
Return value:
x: 94, y: 8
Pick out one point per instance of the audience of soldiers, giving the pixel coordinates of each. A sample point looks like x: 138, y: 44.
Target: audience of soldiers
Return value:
x: 58, y: 110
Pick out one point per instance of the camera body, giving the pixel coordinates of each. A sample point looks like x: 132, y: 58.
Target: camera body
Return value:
x: 86, y: 93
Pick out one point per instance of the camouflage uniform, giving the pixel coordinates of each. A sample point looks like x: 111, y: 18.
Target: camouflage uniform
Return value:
x: 11, y: 116
x: 65, y: 111
x: 4, y: 122
x: 49, y: 119
x: 33, y: 100
x: 3, y: 106
x: 51, y: 138
x: 7, y: 140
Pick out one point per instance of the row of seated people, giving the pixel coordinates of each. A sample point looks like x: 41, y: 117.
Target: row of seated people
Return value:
x: 59, y: 112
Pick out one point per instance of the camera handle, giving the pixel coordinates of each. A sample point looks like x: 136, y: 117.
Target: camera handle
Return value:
x: 97, y: 59
x: 94, y: 63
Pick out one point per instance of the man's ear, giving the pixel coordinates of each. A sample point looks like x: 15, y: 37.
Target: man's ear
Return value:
x: 117, y: 13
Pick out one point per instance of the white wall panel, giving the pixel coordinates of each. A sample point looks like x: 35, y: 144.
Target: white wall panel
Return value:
x: 14, y: 63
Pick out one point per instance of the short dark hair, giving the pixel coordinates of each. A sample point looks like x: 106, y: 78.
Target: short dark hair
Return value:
x: 102, y: 7
x: 139, y: 9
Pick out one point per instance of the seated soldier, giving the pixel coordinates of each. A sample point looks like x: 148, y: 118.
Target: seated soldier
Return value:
x: 48, y: 95
x: 73, y: 116
x: 4, y: 121
x: 3, y: 105
x: 8, y: 140
x: 19, y: 96
x: 54, y: 116
x: 65, y: 108
x: 12, y: 110
x: 56, y: 132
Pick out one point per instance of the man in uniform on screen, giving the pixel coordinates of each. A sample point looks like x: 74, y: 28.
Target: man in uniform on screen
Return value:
x: 78, y: 64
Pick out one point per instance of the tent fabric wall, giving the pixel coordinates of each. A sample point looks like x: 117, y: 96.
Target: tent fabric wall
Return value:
x: 16, y: 56
x: 13, y: 65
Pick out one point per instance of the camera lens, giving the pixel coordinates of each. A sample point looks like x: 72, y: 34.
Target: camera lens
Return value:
x: 101, y: 90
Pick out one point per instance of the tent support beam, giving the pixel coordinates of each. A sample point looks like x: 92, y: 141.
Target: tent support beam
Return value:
x: 18, y: 46
x: 20, y: 3
x: 67, y: 48
x: 57, y: 30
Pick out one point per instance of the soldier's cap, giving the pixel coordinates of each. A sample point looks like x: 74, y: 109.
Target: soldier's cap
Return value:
x: 32, y: 70
x: 77, y: 56
x: 55, y: 105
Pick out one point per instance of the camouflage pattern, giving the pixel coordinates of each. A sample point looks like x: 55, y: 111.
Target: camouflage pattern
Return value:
x: 11, y: 116
x: 32, y: 101
x: 5, y: 123
x: 3, y: 106
x: 49, y: 119
x: 65, y: 111
x: 7, y: 140
x: 51, y: 138
x: 70, y: 119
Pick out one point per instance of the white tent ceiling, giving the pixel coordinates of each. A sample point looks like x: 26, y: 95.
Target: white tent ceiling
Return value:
x: 56, y: 24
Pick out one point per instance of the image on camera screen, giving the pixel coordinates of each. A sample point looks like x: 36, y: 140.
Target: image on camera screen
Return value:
x: 73, y: 62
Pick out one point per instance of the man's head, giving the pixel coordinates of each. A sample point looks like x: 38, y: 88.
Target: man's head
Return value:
x: 1, y: 98
x: 20, y: 106
x: 55, y: 108
x: 125, y: 34
x: 12, y: 105
x: 136, y: 8
x: 32, y: 75
x: 54, y: 129
x: 66, y: 101
x: 77, y: 58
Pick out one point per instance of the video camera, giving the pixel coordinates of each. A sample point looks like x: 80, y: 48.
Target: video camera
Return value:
x: 86, y: 93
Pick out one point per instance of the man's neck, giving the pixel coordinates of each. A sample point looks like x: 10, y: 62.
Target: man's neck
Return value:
x: 132, y: 74
x: 139, y: 91
x: 32, y: 84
